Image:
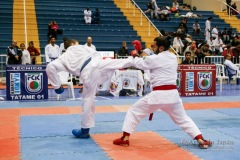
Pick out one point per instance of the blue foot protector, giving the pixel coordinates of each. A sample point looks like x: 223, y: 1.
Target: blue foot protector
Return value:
x: 59, y: 90
x: 81, y: 133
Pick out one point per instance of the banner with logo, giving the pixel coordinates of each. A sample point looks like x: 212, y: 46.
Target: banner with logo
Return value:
x: 197, y: 80
x: 26, y: 82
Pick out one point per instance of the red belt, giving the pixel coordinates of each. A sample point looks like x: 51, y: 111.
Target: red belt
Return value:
x: 165, y: 87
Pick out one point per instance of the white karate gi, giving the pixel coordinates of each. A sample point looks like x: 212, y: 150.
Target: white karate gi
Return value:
x: 163, y: 71
x: 178, y: 44
x: 207, y: 30
x: 87, y: 16
x: 26, y: 59
x: 96, y: 72
x: 51, y: 52
x: 92, y: 46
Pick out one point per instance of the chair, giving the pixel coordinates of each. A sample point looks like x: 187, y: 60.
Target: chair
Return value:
x: 231, y: 73
x: 220, y: 74
x: 64, y: 77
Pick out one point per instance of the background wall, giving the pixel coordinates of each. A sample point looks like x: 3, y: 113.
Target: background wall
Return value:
x: 210, y: 5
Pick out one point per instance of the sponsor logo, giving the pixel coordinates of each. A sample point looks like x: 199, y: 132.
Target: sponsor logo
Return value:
x: 204, y: 80
x: 15, y: 83
x: 34, y: 82
x: 113, y: 87
x: 178, y: 80
x: 126, y: 82
x: 190, y: 81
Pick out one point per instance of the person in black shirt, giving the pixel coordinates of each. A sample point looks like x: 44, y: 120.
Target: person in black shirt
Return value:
x: 188, y: 58
x: 123, y: 51
x: 14, y: 54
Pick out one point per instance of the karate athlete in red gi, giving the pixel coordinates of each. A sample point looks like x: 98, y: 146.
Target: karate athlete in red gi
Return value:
x: 86, y: 63
x: 164, y: 96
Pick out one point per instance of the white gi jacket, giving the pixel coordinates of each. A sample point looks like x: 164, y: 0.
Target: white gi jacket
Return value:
x: 163, y: 71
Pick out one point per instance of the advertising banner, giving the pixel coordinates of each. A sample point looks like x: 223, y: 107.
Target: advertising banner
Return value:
x: 197, y: 80
x: 26, y: 82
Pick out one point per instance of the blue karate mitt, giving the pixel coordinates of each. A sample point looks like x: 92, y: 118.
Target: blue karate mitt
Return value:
x: 59, y: 90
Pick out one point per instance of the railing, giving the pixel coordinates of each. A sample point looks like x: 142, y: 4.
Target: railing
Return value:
x: 25, y: 22
x: 150, y: 22
x: 229, y: 10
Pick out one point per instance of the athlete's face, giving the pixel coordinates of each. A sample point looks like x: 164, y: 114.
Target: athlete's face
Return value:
x: 155, y: 48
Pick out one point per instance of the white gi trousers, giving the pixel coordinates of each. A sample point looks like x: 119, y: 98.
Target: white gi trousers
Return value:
x: 169, y: 103
x: 92, y: 75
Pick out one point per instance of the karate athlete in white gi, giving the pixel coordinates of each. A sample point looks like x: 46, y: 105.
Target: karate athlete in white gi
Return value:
x: 52, y: 51
x: 164, y: 96
x: 208, y: 29
x: 86, y: 63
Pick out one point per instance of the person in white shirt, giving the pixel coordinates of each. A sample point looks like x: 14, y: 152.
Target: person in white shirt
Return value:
x: 215, y: 32
x: 26, y: 59
x: 196, y: 28
x: 164, y: 96
x: 154, y: 9
x: 211, y: 44
x: 218, y: 46
x: 61, y: 48
x: 52, y: 51
x: 88, y: 16
x: 231, y: 68
x: 89, y: 43
x: 178, y: 44
x: 86, y: 63
x: 208, y: 28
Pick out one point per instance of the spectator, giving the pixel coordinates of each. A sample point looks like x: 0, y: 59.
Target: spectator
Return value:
x: 55, y: 30
x: 153, y: 8
x: 215, y: 32
x: 192, y: 49
x: 62, y: 46
x: 196, y: 28
x: 234, y: 42
x: 51, y: 51
x: 178, y: 44
x: 33, y: 52
x: 88, y: 16
x: 218, y: 46
x: 26, y: 59
x: 184, y: 24
x: 208, y: 29
x: 236, y: 52
x: 175, y: 6
x: 96, y: 17
x: 181, y: 31
x: 211, y: 44
x: 188, y: 58
x: 123, y: 51
x: 89, y: 43
x: 14, y: 54
x: 224, y: 33
x: 206, y: 52
x: 227, y: 51
x: 50, y: 29
x: 200, y: 56
x: 234, y: 6
x: 228, y: 8
x: 231, y: 68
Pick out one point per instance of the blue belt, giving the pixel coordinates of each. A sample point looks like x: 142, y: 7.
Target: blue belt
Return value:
x: 53, y: 58
x: 85, y: 63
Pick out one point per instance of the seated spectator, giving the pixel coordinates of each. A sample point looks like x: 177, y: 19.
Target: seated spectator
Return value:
x: 227, y: 50
x: 184, y: 24
x: 199, y: 56
x: 178, y: 44
x: 123, y: 51
x: 211, y: 44
x: 153, y: 8
x: 234, y: 41
x: 225, y: 36
x: 190, y: 14
x: 188, y: 58
x: 218, y: 46
x: 96, y: 17
x: 14, y: 54
x: 88, y: 16
x: 206, y: 52
x: 55, y: 30
x: 33, y: 52
x: 181, y: 31
x: 231, y: 68
x: 234, y: 6
x: 175, y: 6
x: 196, y: 28
x: 191, y: 49
x: 163, y: 13
x: 26, y: 59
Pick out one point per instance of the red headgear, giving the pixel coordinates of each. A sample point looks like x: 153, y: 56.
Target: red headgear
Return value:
x: 137, y: 45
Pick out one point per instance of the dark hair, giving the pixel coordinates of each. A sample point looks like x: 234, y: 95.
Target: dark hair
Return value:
x: 163, y: 41
x: 188, y: 52
x: 69, y: 43
x: 31, y: 42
